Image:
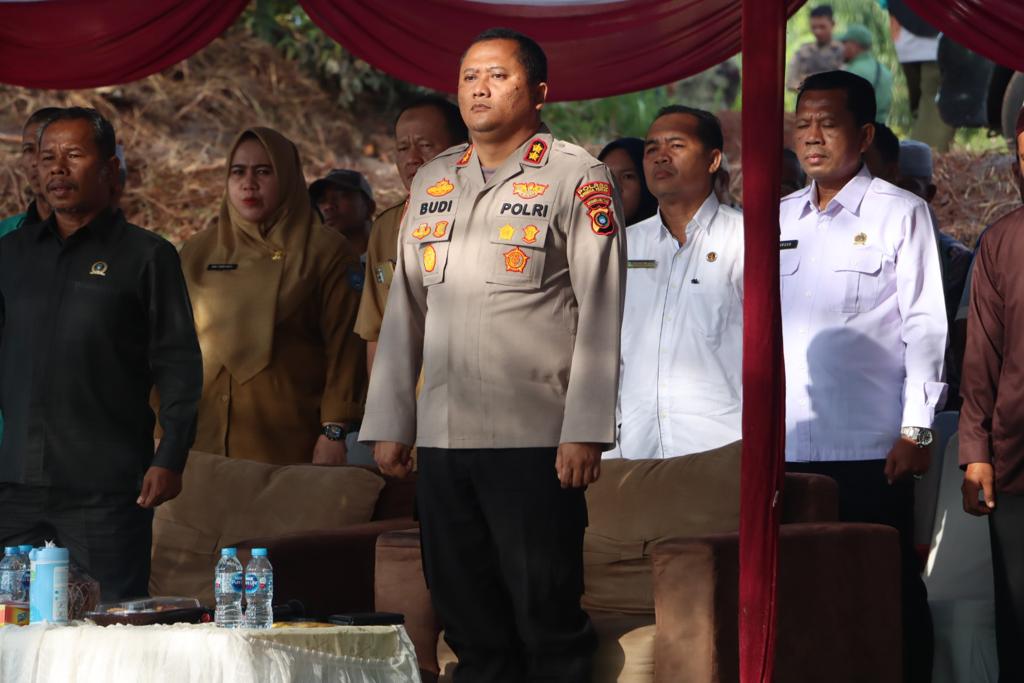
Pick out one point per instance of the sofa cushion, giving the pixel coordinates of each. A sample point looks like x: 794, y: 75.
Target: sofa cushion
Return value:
x: 625, y: 649
x: 227, y: 500
x: 638, y: 503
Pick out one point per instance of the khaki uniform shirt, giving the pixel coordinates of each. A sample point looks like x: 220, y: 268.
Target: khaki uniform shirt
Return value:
x: 510, y: 293
x: 812, y: 59
x: 381, y: 257
x: 317, y: 374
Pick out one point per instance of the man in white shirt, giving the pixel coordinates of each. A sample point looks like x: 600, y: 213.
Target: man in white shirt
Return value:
x: 682, y: 330
x: 864, y: 326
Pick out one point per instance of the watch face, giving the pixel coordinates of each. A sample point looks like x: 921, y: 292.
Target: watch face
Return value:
x: 334, y: 432
x: 926, y: 437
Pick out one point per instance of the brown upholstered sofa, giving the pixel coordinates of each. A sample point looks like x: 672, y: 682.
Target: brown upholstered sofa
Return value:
x: 838, y: 602
x: 319, y: 524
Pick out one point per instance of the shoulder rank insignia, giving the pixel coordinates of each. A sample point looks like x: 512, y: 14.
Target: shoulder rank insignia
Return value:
x: 535, y: 151
x: 422, y: 231
x: 429, y: 258
x: 440, y: 188
x: 516, y: 260
x: 466, y: 156
x: 530, y: 233
x: 528, y: 190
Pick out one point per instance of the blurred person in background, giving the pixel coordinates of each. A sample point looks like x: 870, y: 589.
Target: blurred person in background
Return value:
x: 38, y: 210
x: 423, y: 129
x: 824, y: 54
x: 625, y: 159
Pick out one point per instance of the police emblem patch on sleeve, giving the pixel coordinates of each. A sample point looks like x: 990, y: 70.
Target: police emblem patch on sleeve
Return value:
x: 602, y: 219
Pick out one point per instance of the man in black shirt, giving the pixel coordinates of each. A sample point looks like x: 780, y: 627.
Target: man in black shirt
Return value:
x: 94, y: 313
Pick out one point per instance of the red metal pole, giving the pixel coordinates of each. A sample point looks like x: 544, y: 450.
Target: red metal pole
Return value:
x: 762, y: 472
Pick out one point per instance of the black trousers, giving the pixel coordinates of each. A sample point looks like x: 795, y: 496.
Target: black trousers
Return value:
x: 503, y: 558
x: 866, y: 496
x: 107, y: 534
x: 1006, y: 528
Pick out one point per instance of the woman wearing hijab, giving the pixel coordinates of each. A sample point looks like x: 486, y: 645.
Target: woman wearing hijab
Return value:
x: 625, y: 159
x: 283, y: 373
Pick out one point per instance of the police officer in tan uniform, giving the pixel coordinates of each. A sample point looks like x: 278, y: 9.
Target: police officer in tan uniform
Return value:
x: 423, y: 129
x: 509, y: 290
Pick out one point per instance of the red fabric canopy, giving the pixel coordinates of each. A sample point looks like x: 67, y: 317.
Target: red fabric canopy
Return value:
x: 594, y: 49
x: 992, y: 28
x: 66, y: 44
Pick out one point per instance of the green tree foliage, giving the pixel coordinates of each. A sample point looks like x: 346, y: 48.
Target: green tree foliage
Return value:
x: 286, y: 25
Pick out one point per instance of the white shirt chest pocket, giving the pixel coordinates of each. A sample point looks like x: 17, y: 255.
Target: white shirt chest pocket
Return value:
x: 709, y: 305
x: 857, y: 274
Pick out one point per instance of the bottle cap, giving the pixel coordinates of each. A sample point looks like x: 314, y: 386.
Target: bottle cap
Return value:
x: 9, y: 549
x: 52, y: 554
x: 24, y: 548
x: 228, y: 552
x: 259, y: 552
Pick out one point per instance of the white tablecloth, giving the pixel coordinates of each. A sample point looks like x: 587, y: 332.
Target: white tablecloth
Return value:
x: 185, y: 653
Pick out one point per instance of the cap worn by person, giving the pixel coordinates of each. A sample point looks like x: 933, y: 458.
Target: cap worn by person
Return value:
x: 342, y: 179
x: 859, y: 34
x: 915, y: 159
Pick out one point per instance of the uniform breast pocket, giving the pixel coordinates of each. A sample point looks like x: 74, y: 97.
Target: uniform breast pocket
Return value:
x: 857, y: 273
x: 709, y: 309
x: 432, y: 239
x: 516, y: 252
x: 789, y: 264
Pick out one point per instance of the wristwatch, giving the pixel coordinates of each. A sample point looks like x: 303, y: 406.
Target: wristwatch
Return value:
x: 334, y: 432
x: 919, y: 435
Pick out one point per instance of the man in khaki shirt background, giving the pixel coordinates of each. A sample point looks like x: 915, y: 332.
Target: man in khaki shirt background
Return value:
x: 423, y: 129
x: 509, y: 291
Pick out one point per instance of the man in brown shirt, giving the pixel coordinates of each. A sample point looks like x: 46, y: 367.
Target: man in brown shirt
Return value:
x: 508, y: 291
x: 992, y: 420
x: 424, y: 128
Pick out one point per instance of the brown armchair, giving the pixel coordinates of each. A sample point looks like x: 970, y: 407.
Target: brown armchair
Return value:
x: 838, y: 598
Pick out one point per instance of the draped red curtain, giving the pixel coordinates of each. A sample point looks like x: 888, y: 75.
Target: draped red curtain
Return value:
x: 594, y: 50
x: 992, y: 28
x: 66, y: 44
x: 764, y: 377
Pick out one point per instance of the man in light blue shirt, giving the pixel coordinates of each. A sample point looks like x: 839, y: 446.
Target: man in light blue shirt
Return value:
x: 864, y: 326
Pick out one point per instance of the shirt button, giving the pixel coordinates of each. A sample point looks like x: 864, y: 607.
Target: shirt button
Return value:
x: 803, y: 401
x: 224, y: 398
x: 807, y: 294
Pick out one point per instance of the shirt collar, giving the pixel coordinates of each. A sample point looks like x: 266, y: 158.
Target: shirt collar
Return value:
x: 99, y: 227
x: 701, y: 220
x: 849, y: 198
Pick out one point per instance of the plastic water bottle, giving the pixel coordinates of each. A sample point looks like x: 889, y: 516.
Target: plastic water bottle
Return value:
x: 227, y: 587
x: 26, y: 576
x: 259, y: 590
x: 7, y: 576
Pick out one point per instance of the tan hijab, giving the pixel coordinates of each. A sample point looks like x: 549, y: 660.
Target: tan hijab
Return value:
x: 245, y: 277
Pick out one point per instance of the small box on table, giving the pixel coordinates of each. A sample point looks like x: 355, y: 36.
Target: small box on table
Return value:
x: 14, y: 613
